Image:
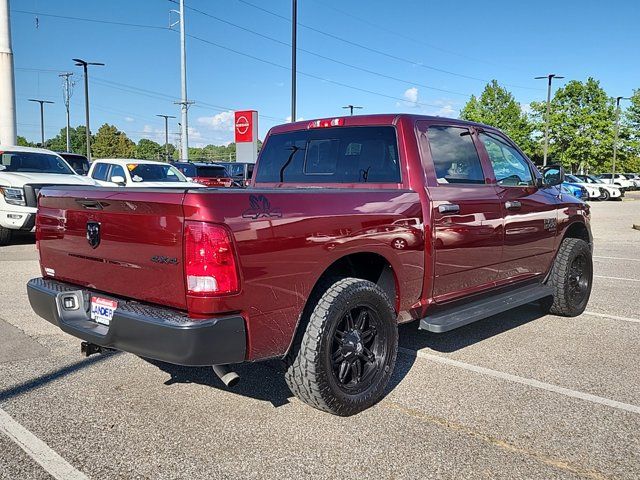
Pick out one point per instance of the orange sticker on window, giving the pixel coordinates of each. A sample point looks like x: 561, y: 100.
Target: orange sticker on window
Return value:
x: 131, y: 166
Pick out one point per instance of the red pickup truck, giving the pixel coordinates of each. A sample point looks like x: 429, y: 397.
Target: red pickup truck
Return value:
x: 350, y: 226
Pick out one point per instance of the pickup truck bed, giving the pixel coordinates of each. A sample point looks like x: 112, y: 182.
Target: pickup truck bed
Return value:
x: 350, y: 226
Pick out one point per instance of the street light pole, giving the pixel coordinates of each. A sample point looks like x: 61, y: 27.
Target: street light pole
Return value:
x: 66, y: 87
x: 351, y: 108
x: 41, y: 102
x: 294, y: 48
x: 84, y: 65
x: 549, y: 78
x: 615, y: 138
x: 166, y: 133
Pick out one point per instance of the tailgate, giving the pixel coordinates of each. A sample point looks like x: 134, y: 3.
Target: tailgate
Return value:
x: 119, y: 241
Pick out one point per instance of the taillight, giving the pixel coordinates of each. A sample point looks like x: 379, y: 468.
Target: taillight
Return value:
x: 210, y: 264
x: 327, y: 122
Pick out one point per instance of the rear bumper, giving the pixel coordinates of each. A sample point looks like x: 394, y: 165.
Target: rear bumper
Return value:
x: 148, y: 331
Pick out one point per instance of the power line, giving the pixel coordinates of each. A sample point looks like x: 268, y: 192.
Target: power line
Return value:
x: 93, y: 20
x: 324, y: 57
x: 379, y: 52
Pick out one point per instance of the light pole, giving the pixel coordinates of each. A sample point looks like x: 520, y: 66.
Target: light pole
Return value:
x: 84, y: 65
x: 615, y: 138
x: 294, y: 47
x: 549, y: 77
x: 166, y: 133
x: 41, y: 102
x: 66, y: 88
x: 351, y: 108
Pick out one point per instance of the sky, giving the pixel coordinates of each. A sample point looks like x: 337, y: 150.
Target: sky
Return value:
x: 413, y: 56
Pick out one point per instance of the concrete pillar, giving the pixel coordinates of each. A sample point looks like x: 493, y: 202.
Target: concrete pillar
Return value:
x: 7, y: 84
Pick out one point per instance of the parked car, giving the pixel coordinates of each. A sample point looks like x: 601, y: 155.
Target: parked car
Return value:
x: 241, y: 172
x: 574, y: 189
x: 129, y: 172
x: 633, y: 177
x: 608, y: 191
x: 593, y: 192
x: 23, y: 172
x: 304, y: 265
x: 78, y: 162
x: 209, y: 174
x: 620, y: 180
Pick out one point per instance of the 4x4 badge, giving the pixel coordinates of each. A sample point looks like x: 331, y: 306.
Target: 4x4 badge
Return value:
x: 93, y: 234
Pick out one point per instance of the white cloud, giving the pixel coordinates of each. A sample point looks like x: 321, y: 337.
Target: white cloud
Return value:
x: 221, y: 122
x: 129, y: 119
x: 288, y: 119
x: 411, y: 98
x: 526, y: 108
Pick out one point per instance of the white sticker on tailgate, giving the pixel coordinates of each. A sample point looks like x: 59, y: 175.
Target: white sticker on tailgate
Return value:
x: 102, y: 309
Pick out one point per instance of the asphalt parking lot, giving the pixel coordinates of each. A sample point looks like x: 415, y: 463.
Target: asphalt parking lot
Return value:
x: 518, y: 395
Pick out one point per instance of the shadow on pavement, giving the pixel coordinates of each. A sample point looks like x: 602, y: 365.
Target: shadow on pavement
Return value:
x: 264, y: 381
x: 43, y: 380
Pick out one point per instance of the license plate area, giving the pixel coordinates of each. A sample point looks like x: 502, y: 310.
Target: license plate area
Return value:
x: 102, y: 310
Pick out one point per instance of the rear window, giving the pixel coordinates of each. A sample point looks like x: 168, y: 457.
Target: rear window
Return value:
x: 79, y: 163
x: 151, y: 172
x: 33, y: 162
x: 211, y: 172
x: 331, y: 155
x: 188, y: 169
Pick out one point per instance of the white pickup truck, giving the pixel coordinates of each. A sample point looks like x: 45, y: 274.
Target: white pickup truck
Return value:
x: 23, y: 172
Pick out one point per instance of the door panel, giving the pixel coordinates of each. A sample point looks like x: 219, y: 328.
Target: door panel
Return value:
x: 466, y: 212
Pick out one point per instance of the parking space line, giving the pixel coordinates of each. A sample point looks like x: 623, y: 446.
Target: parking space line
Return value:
x: 613, y: 317
x: 530, y: 382
x: 619, y: 258
x: 618, y: 278
x: 54, y: 464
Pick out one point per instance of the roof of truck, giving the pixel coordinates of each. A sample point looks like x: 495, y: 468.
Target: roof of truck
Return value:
x: 126, y: 161
x: 373, y: 119
x: 17, y: 148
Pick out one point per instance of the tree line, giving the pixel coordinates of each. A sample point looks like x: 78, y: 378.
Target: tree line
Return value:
x: 109, y: 142
x: 581, y: 125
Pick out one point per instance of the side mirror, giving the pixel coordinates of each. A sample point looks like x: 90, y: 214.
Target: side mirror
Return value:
x: 552, y: 176
x: 119, y: 180
x: 2, y: 167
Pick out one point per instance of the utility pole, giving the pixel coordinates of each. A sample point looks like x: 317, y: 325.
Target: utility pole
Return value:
x: 549, y: 77
x: 67, y: 87
x: 166, y: 133
x: 41, y: 102
x: 84, y: 65
x: 184, y: 102
x: 294, y: 48
x: 7, y: 83
x: 615, y: 138
x: 351, y: 108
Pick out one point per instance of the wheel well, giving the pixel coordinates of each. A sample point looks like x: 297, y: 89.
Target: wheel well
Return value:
x: 578, y: 230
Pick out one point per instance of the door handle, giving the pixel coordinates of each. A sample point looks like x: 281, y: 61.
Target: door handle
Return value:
x: 512, y: 205
x: 447, y: 208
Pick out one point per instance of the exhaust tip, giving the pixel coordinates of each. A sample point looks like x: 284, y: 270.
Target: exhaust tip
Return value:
x: 228, y: 376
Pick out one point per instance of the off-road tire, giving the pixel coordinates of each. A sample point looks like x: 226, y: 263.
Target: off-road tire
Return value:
x: 563, y: 279
x: 309, y: 365
x: 5, y: 236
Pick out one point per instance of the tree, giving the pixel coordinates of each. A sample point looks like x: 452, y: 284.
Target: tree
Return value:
x: 76, y: 135
x: 110, y: 142
x: 149, y: 150
x: 581, y: 126
x: 497, y: 107
x: 23, y: 142
x: 631, y: 125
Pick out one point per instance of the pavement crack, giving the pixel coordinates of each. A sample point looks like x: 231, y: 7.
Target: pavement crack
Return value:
x: 558, y: 463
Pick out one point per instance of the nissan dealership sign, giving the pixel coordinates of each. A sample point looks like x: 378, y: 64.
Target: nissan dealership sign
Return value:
x: 246, y: 135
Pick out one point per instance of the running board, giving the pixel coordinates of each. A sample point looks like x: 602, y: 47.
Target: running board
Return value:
x: 461, y: 315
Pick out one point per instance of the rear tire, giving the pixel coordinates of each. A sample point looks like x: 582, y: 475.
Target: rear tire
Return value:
x: 571, y: 278
x: 5, y: 236
x: 343, y: 360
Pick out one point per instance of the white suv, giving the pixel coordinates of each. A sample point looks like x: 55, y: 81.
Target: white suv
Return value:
x: 126, y: 172
x: 619, y: 180
x: 23, y: 172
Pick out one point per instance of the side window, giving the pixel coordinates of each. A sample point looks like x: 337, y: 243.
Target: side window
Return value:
x: 100, y: 171
x: 454, y: 155
x: 117, y: 171
x: 510, y: 167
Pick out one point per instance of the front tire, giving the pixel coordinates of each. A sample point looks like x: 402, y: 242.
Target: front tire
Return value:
x: 571, y: 278
x: 343, y: 361
x: 5, y: 236
x: 605, y: 195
